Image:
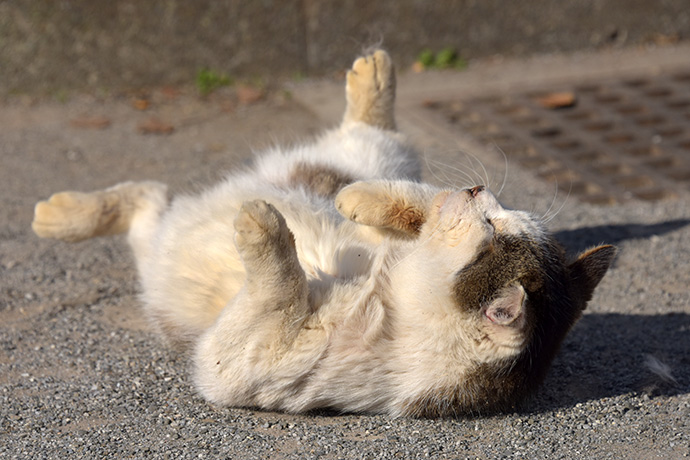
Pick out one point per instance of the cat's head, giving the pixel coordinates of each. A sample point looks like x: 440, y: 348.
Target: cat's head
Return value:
x: 499, y: 282
x: 510, y: 271
x: 512, y: 283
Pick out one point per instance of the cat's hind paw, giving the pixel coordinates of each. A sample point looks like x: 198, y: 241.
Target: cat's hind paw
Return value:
x: 370, y: 90
x: 371, y: 75
x: 259, y: 224
x: 69, y: 216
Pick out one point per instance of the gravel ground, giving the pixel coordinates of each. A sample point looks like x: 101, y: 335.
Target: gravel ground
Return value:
x: 81, y: 375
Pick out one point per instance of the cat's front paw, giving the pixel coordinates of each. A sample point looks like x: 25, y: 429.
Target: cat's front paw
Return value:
x: 399, y: 206
x: 259, y: 223
x: 358, y: 203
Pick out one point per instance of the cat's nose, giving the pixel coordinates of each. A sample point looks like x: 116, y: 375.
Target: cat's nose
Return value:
x: 474, y: 191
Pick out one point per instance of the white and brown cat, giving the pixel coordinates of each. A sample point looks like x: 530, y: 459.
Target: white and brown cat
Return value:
x: 327, y: 276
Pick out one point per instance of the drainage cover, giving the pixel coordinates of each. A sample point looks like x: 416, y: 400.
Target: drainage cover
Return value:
x: 605, y: 142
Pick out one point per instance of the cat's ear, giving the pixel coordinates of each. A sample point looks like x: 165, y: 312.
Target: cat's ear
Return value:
x: 509, y: 308
x: 588, y: 269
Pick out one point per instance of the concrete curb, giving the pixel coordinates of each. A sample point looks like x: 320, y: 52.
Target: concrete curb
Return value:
x: 50, y: 47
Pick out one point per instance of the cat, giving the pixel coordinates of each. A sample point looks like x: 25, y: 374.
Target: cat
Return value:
x: 329, y: 276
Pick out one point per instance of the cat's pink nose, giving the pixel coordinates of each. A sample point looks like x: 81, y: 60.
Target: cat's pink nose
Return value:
x: 474, y: 191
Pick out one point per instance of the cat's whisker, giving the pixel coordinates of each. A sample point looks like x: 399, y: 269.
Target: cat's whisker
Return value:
x: 472, y: 175
x: 558, y: 211
x: 505, y: 170
x: 441, y: 180
x: 451, y: 179
x: 461, y: 173
x: 553, y: 201
x: 481, y: 164
x: 458, y: 177
x: 476, y: 177
x: 546, y: 218
x: 468, y: 170
x: 469, y: 180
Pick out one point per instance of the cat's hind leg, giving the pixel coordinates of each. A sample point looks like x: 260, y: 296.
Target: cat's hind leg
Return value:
x: 132, y: 207
x: 267, y: 247
x: 253, y: 340
x: 370, y: 91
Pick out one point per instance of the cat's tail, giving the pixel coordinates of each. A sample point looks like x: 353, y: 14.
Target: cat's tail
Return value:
x: 132, y: 207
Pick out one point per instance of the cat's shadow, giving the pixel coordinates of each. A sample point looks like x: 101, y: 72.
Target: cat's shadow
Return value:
x: 608, y: 355
x: 582, y: 238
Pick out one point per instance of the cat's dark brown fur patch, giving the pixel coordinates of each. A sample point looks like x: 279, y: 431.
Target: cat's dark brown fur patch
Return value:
x: 490, y: 388
x: 552, y: 308
x: 508, y: 259
x: 318, y: 179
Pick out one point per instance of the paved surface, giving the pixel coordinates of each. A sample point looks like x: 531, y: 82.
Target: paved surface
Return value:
x: 81, y: 376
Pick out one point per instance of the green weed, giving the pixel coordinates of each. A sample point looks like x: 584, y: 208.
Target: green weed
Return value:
x: 208, y: 81
x: 447, y: 58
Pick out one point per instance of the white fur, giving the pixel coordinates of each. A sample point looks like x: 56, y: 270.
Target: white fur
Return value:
x: 194, y: 261
x: 356, y: 317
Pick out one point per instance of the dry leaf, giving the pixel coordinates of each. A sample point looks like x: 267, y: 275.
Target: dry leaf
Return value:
x: 170, y: 92
x: 86, y: 122
x: 247, y: 95
x: 418, y: 67
x: 430, y: 104
x: 227, y: 105
x: 663, y: 40
x: 558, y: 100
x: 155, y: 126
x: 141, y: 103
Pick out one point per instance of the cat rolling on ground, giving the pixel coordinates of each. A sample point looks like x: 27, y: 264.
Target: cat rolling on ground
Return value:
x: 328, y: 276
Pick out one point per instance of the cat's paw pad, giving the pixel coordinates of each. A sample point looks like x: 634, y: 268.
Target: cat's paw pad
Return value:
x: 370, y: 90
x: 371, y: 74
x: 69, y: 216
x: 258, y: 222
x: 381, y: 205
x: 358, y: 202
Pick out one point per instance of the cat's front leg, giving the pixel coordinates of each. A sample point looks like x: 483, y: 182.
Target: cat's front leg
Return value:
x: 397, y: 205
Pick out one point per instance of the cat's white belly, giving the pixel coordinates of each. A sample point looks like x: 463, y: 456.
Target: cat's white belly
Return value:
x: 331, y: 252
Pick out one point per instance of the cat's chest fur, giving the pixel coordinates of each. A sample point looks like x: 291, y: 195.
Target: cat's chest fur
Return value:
x: 330, y: 249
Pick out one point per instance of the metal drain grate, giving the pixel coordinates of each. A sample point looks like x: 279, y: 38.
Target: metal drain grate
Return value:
x: 604, y: 142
